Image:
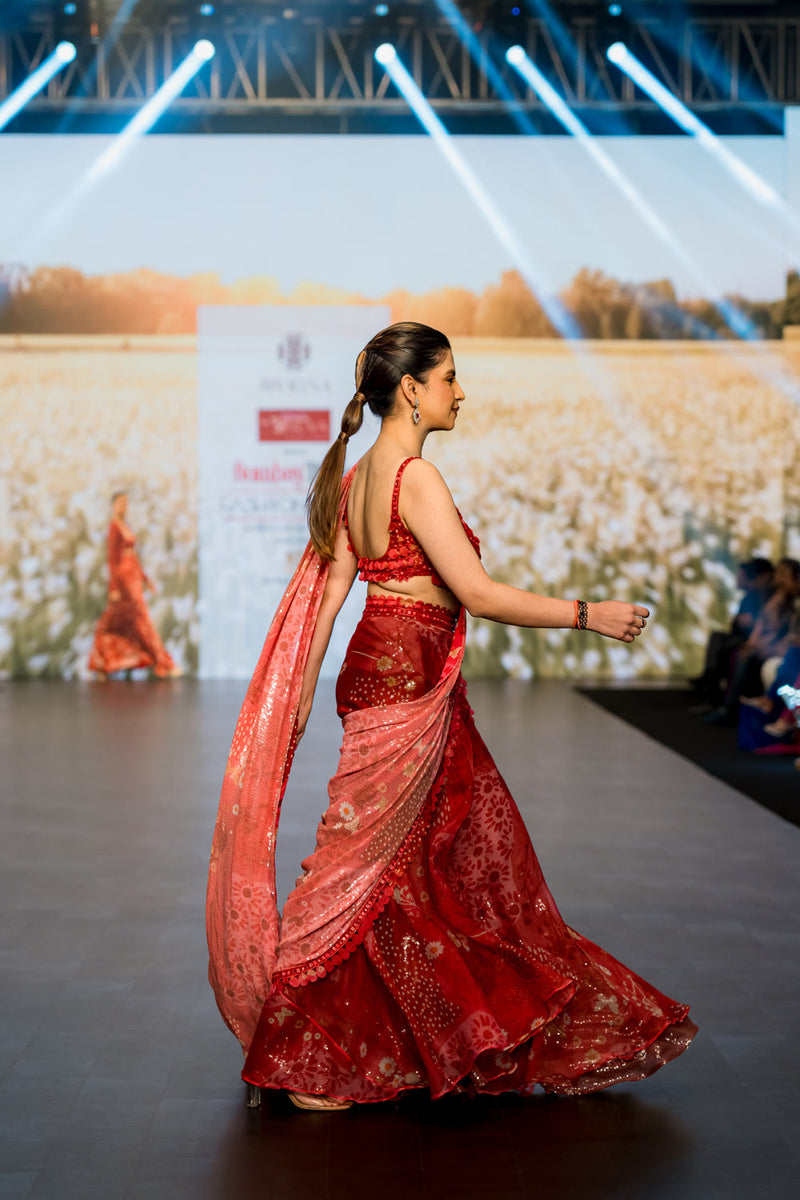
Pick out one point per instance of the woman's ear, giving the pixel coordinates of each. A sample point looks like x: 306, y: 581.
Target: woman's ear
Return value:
x: 408, y: 388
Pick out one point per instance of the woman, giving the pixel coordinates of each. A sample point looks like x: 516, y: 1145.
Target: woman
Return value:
x: 421, y: 947
x: 770, y: 639
x: 126, y: 637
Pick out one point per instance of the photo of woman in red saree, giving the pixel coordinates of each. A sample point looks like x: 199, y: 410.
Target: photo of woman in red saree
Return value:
x: 421, y: 947
x: 125, y: 637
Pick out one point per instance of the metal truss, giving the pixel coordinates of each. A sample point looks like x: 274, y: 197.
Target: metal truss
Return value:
x: 307, y: 66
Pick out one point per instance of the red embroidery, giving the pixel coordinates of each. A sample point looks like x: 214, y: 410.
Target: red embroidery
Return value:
x: 404, y: 557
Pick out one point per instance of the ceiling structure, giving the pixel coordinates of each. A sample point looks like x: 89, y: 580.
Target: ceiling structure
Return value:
x: 308, y: 65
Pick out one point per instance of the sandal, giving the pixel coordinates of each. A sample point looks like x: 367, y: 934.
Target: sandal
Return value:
x: 312, y: 1103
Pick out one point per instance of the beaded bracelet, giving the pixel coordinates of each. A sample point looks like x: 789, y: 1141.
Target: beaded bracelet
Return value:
x: 581, y: 618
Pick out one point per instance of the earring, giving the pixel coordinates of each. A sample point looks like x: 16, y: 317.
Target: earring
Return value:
x: 415, y: 415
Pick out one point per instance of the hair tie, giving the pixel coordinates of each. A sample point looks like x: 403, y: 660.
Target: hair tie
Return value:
x: 343, y: 437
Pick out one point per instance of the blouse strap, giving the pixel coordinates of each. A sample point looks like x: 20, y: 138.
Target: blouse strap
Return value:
x: 396, y: 493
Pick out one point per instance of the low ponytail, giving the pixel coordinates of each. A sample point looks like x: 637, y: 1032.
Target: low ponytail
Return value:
x: 322, y: 502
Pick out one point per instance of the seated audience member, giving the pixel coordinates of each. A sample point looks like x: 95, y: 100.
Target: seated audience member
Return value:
x: 770, y: 638
x: 768, y: 723
x: 754, y: 578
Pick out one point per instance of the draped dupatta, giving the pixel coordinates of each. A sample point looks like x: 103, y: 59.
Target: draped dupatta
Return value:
x: 389, y: 761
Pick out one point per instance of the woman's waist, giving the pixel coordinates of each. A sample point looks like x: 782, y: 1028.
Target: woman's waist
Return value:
x: 411, y: 609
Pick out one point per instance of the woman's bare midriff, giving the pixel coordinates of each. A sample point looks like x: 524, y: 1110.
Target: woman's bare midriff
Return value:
x: 419, y: 589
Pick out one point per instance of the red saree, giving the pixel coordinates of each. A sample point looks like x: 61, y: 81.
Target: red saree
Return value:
x: 125, y: 637
x: 421, y: 947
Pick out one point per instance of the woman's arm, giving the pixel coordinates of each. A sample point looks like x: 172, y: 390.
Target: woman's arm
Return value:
x: 115, y: 544
x: 428, y: 510
x: 341, y: 574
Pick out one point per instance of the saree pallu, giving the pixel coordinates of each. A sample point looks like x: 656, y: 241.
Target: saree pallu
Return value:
x: 457, y: 972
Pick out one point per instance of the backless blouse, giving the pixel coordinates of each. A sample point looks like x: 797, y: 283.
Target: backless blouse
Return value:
x: 404, y: 558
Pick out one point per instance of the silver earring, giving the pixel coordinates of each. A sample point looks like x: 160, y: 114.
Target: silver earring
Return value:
x: 415, y: 414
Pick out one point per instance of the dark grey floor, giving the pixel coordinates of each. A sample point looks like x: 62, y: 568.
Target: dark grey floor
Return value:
x: 118, y: 1078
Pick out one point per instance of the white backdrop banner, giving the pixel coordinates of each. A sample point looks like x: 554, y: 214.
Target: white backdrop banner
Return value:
x: 273, y: 382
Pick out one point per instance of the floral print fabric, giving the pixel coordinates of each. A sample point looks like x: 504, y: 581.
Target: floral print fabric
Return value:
x: 465, y: 977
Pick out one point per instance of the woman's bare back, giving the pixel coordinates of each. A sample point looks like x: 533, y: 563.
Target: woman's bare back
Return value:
x: 369, y: 511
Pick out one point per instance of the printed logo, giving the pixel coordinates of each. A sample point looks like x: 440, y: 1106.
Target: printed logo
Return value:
x: 294, y: 425
x: 294, y: 351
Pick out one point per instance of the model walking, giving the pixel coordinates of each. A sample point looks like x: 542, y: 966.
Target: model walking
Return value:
x: 421, y: 947
x: 125, y: 637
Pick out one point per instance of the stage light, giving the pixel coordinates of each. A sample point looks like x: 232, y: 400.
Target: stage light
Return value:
x: 381, y: 10
x: 518, y: 59
x: 619, y: 54
x: 148, y: 114
x: 70, y: 10
x: 64, y: 53
x: 615, y: 10
x: 563, y: 321
x: 146, y: 117
x: 207, y: 10
x: 385, y: 54
x: 515, y: 12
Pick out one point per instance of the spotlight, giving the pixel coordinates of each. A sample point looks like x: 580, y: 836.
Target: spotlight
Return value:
x: 388, y: 57
x: 204, y: 49
x: 381, y: 10
x: 65, y: 52
x: 70, y: 10
x: 207, y: 10
x: 515, y: 11
x: 621, y: 56
x: 385, y: 53
x: 615, y: 10
x: 38, y: 79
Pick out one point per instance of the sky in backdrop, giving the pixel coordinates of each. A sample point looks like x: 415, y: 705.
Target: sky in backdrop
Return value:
x: 370, y: 214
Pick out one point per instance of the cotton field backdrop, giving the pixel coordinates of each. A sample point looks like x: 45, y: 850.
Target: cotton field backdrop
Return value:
x: 625, y: 470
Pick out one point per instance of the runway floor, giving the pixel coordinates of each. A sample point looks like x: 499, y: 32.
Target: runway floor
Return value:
x: 120, y: 1081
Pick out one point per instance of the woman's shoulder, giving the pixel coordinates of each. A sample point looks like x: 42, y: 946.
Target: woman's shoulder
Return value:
x: 421, y: 476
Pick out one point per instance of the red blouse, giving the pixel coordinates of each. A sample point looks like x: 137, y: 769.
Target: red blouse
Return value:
x: 404, y: 558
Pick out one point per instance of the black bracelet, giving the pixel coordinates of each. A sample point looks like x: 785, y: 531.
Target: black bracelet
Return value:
x: 583, y: 614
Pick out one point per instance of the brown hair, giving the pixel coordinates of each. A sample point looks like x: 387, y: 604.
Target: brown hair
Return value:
x: 406, y: 348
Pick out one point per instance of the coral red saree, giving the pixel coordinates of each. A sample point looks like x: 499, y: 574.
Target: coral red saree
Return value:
x: 421, y: 947
x: 125, y: 637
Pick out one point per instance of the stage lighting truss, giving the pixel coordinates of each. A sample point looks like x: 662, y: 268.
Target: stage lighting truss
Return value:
x: 292, y: 58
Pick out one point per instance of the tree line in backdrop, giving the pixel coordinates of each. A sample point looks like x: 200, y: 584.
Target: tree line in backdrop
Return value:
x: 63, y: 300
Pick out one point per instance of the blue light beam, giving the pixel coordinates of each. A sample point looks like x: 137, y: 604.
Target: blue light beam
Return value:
x: 750, y: 180
x: 149, y: 113
x: 63, y: 54
x: 561, y: 320
x: 144, y: 120
x: 516, y: 56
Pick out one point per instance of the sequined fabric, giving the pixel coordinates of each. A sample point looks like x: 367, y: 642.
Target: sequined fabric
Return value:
x: 460, y: 973
x: 125, y: 637
x: 404, y: 558
x: 242, y: 922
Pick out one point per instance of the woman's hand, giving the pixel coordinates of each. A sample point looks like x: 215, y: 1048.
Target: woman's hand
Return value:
x: 618, y: 620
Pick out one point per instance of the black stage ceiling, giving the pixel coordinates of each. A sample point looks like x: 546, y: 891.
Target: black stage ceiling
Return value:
x: 307, y: 66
